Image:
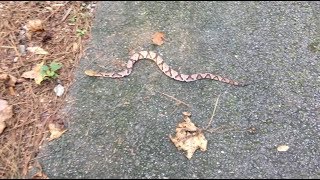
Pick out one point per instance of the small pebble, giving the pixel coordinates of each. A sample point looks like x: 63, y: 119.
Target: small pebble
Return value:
x: 59, y: 90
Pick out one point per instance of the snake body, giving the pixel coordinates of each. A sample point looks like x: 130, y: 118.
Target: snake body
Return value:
x: 167, y: 70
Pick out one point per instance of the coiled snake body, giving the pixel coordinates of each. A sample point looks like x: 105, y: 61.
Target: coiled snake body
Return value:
x: 165, y: 69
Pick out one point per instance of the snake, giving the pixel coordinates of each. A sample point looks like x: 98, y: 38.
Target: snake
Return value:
x: 166, y: 69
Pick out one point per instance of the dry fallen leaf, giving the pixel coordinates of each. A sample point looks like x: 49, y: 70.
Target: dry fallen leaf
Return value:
x: 282, y: 148
x: 189, y: 137
x: 90, y: 72
x: 10, y: 81
x: 3, y: 77
x: 2, y: 126
x: 5, y: 113
x: 75, y: 47
x: 158, y: 38
x: 37, y: 50
x: 40, y: 175
x: 55, y: 131
x: 11, y: 91
x: 34, y: 73
x: 34, y: 25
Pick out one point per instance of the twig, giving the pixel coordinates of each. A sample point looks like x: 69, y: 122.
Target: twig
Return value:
x: 14, y: 47
x: 10, y: 47
x: 66, y: 15
x: 213, y: 113
x: 174, y: 110
x: 179, y: 101
x: 222, y: 129
x: 52, y: 13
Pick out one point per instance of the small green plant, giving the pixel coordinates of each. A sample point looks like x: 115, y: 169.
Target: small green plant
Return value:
x: 47, y: 72
x: 81, y: 32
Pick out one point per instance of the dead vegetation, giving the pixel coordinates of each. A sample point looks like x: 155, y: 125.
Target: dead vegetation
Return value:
x: 61, y: 28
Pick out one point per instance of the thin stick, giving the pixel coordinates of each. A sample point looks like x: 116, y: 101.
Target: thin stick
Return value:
x: 10, y: 47
x: 179, y: 101
x: 52, y: 13
x: 213, y: 113
x: 174, y: 110
x: 66, y: 15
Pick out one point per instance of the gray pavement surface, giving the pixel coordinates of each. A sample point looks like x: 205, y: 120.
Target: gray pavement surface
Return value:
x: 119, y: 128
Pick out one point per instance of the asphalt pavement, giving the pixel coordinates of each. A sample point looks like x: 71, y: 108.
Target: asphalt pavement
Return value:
x: 119, y: 128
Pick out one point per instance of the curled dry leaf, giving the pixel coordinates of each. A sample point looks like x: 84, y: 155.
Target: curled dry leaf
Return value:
x: 5, y: 113
x: 55, y: 131
x: 34, y: 25
x: 158, y: 38
x: 282, y: 148
x: 189, y: 137
x: 34, y: 73
x: 37, y: 50
x: 10, y: 81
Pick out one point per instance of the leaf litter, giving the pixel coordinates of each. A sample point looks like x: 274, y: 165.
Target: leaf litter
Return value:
x: 37, y: 50
x: 9, y: 81
x: 33, y: 34
x: 5, y: 114
x: 189, y: 137
x: 35, y: 73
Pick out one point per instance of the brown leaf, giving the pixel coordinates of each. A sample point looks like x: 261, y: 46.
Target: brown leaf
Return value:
x: 12, y: 81
x: 34, y: 25
x: 37, y: 50
x: 188, y: 137
x: 158, y: 38
x: 3, y: 77
x: 90, y: 72
x: 29, y: 36
x: 34, y: 73
x: 55, y: 131
x: 5, y: 113
x: 2, y: 126
x: 40, y: 175
x: 9, y: 79
x: 75, y: 47
x: 11, y: 91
